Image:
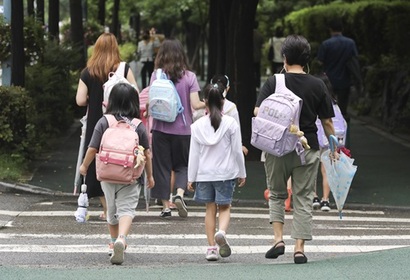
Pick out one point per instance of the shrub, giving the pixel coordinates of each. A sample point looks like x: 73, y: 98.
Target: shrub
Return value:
x: 51, y: 85
x: 17, y: 123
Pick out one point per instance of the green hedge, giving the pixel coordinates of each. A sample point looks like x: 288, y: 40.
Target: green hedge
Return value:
x: 378, y: 27
x: 382, y: 34
x: 17, y: 123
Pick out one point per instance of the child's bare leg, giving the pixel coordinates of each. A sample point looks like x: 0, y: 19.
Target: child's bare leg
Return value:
x: 210, y: 223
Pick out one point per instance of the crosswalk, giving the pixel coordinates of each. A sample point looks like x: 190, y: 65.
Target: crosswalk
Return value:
x: 250, y: 233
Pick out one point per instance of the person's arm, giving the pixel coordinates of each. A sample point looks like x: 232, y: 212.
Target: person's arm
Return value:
x: 237, y: 150
x: 148, y: 168
x: 193, y: 161
x: 328, y: 127
x: 82, y: 94
x: 196, y: 103
x: 89, y: 157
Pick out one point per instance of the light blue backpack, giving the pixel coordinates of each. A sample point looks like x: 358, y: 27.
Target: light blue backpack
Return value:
x: 164, y: 101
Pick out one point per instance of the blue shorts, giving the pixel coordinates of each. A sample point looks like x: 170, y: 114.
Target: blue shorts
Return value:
x: 220, y: 192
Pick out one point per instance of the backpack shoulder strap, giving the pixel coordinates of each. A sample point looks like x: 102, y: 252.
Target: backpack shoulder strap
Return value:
x: 136, y: 122
x: 280, y: 85
x: 110, y: 119
x: 121, y: 69
x: 161, y: 74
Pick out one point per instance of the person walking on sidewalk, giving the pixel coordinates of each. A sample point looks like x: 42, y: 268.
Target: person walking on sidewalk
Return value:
x: 104, y: 59
x: 216, y: 161
x: 122, y: 200
x: 316, y: 102
x: 335, y: 54
x: 146, y: 51
x: 170, y: 140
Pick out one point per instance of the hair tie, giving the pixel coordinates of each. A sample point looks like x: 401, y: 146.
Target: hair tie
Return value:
x: 215, y: 85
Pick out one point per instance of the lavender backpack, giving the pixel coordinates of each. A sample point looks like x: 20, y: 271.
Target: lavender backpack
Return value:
x: 340, y: 126
x: 270, y: 128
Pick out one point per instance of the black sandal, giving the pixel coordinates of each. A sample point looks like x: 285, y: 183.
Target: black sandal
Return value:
x: 299, y: 259
x: 275, y: 251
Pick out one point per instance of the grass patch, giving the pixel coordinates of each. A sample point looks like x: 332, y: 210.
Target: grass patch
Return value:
x: 12, y: 167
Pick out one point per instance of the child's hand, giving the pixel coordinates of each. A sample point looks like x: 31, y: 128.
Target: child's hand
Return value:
x: 83, y: 169
x: 190, y: 187
x: 241, y: 182
x: 151, y: 182
x: 244, y: 150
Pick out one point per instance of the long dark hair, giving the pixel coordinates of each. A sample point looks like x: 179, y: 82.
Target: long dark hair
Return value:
x: 124, y: 101
x: 214, y: 100
x: 172, y: 59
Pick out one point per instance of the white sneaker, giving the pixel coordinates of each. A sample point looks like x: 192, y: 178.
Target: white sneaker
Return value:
x: 212, y: 254
x: 117, y: 256
x: 181, y: 206
x: 224, y: 248
x: 324, y: 206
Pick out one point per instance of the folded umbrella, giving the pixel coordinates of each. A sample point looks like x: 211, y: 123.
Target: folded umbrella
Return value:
x: 339, y: 173
x: 81, y: 214
x: 77, y: 178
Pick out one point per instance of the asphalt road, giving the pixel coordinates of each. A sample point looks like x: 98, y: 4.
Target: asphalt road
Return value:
x: 40, y: 239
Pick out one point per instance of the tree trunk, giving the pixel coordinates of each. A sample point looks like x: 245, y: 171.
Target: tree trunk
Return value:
x: 218, y: 29
x: 77, y: 31
x: 53, y: 19
x: 30, y: 8
x: 115, y: 22
x: 239, y: 64
x: 17, y: 43
x: 40, y: 11
x: 101, y: 12
x: 230, y: 52
x: 193, y: 41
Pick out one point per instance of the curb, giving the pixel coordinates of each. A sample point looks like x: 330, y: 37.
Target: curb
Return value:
x: 27, y: 188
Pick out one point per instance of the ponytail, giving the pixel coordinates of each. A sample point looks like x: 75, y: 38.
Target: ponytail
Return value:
x: 213, y: 94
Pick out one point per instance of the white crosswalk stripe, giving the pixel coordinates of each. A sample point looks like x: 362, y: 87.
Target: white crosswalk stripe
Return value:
x: 358, y: 222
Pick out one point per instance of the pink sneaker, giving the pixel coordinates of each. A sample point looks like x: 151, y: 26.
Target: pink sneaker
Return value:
x: 212, y: 254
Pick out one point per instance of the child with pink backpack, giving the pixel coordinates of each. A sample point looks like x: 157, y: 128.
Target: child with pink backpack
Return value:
x: 121, y: 193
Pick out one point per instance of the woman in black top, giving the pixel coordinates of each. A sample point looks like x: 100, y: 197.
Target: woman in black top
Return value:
x: 104, y: 59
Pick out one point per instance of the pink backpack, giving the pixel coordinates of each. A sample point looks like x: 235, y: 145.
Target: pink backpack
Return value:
x: 270, y: 128
x: 118, y: 152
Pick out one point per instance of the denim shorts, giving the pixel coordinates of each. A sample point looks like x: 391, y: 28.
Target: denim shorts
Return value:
x: 220, y: 192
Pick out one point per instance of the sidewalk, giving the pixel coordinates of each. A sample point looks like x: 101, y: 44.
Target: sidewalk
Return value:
x: 382, y: 179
